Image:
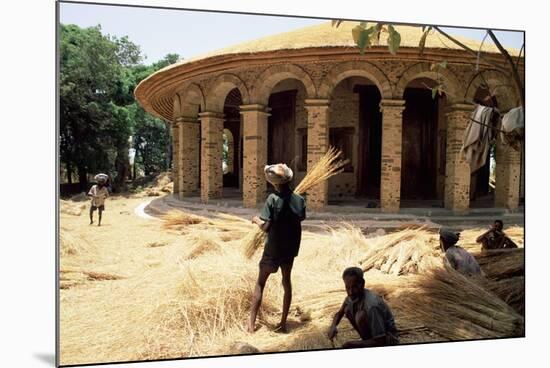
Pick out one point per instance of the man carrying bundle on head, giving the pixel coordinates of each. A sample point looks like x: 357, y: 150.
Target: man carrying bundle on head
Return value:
x: 459, y: 258
x: 281, y: 219
x: 367, y: 312
x: 495, y: 238
x: 98, y: 192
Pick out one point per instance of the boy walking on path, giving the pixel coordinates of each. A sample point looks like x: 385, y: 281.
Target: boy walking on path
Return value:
x: 98, y: 192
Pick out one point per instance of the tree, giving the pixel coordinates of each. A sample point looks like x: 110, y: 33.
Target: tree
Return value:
x: 98, y: 111
x: 365, y: 36
x: 89, y: 71
x: 152, y: 140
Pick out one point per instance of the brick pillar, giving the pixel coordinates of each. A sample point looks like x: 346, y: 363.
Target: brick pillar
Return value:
x: 508, y: 175
x: 175, y: 157
x: 189, y: 153
x: 317, y: 146
x: 211, y: 155
x: 457, y: 169
x: 254, y: 122
x: 392, y: 137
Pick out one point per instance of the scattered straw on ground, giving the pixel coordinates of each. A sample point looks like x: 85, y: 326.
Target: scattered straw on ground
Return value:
x: 124, y: 299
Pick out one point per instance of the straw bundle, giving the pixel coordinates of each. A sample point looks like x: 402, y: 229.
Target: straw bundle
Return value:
x: 71, y: 244
x: 404, y: 252
x: 70, y: 277
x: 328, y: 165
x: 456, y: 307
x: 511, y: 290
x: 180, y: 220
x: 202, y: 242
x: 499, y: 264
x: 70, y: 208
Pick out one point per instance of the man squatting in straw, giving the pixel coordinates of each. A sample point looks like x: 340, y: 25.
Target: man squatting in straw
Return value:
x: 98, y: 192
x: 459, y: 258
x: 367, y: 312
x: 495, y: 238
x: 281, y: 218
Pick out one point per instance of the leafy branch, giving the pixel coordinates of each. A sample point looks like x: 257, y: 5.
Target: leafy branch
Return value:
x: 364, y: 37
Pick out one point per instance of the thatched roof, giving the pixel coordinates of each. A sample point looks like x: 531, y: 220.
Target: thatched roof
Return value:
x: 325, y: 35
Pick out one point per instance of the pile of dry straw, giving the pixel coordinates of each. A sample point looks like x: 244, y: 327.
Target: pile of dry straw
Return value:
x: 195, y: 301
x: 431, y: 302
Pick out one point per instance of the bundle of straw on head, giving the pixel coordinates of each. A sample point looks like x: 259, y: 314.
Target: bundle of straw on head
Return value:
x: 328, y: 165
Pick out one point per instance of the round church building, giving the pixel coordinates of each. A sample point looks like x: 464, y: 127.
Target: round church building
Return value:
x: 288, y: 97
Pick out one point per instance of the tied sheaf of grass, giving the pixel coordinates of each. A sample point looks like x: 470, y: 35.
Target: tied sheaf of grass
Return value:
x: 328, y: 165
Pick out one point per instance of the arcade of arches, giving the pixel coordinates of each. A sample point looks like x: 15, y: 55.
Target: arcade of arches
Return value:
x: 403, y: 144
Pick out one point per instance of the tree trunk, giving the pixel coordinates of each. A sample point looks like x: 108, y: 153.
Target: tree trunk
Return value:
x: 122, y: 165
x: 69, y: 173
x: 82, y: 178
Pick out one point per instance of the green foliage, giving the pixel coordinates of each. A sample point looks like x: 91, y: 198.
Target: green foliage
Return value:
x: 362, y: 36
x: 98, y: 112
x: 394, y: 40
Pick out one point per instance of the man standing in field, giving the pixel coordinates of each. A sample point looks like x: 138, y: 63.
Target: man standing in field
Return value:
x: 367, y: 312
x: 281, y: 218
x: 495, y: 238
x: 98, y: 192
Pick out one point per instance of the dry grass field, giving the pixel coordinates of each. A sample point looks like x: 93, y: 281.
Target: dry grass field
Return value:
x: 138, y: 288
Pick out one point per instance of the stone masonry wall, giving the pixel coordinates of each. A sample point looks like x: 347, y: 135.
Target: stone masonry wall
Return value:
x: 457, y: 183
x: 254, y: 154
x: 508, y: 175
x: 211, y: 156
x: 317, y: 145
x: 190, y: 156
x: 392, y: 136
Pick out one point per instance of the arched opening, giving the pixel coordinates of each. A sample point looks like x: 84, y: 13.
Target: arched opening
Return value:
x: 287, y: 127
x: 231, y: 142
x: 423, y: 145
x: 355, y: 127
x: 483, y: 180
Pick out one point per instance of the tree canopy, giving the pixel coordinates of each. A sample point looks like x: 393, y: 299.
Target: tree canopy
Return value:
x: 99, y: 117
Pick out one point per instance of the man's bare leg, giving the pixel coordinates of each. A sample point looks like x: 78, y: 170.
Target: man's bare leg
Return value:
x: 91, y: 215
x: 257, y: 296
x: 100, y: 212
x: 286, y: 271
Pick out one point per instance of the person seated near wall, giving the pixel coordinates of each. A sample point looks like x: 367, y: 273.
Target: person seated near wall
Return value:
x: 367, y: 312
x: 459, y: 258
x: 495, y: 238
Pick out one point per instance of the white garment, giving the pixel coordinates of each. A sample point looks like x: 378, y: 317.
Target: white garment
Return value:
x: 513, y: 127
x: 98, y: 195
x: 475, y: 146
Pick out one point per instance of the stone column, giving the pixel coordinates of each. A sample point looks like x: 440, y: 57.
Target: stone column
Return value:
x: 189, y: 153
x: 392, y: 137
x: 254, y: 123
x: 176, y: 157
x: 457, y: 169
x: 211, y: 155
x: 317, y: 146
x: 508, y: 175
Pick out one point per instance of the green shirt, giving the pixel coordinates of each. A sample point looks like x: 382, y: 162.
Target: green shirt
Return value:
x: 285, y: 211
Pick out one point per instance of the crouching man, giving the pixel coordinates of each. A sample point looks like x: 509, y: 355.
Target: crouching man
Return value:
x: 367, y: 312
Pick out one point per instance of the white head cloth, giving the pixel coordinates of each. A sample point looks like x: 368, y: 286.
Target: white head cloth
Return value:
x: 278, y: 174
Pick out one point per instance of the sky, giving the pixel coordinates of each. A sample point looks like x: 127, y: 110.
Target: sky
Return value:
x: 189, y: 33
